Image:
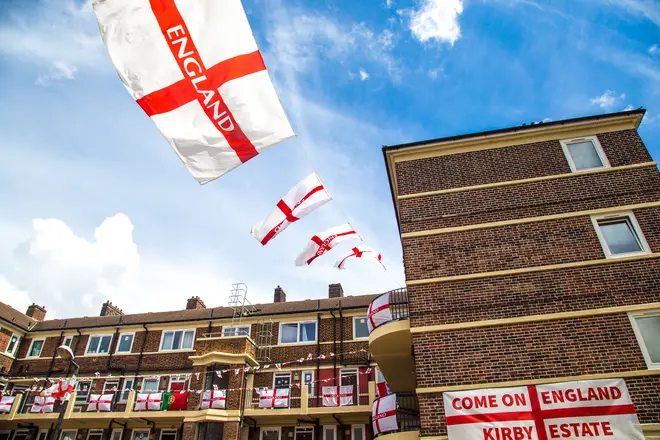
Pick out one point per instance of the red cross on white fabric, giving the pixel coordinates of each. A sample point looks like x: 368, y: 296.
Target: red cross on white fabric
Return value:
x: 378, y: 416
x: 373, y: 311
x: 99, y: 400
x: 148, y: 400
x: 215, y: 396
x: 288, y: 213
x: 324, y: 245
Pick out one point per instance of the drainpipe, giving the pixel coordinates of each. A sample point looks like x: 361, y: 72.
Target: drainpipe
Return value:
x: 242, y: 403
x: 341, y: 336
x: 317, y: 387
x: 52, y: 360
x: 334, y: 343
x: 139, y: 364
x: 113, y: 346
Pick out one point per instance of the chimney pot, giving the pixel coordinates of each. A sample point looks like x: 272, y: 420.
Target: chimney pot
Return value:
x: 279, y: 296
x: 335, y: 291
x: 36, y: 312
x: 195, y: 302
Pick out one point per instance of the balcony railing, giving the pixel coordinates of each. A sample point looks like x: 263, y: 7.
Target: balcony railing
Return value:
x: 407, y: 413
x: 398, y: 306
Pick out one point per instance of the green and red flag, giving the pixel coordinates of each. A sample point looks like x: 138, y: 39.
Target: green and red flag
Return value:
x: 175, y: 401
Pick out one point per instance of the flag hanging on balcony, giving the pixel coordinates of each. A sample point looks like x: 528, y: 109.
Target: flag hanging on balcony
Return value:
x: 43, y: 405
x: 338, y: 395
x: 148, y: 401
x: 303, y: 198
x: 274, y: 398
x: 196, y: 71
x: 383, y: 414
x: 379, y: 312
x: 60, y: 390
x: 5, y: 403
x: 100, y: 402
x: 216, y: 399
x: 359, y: 252
x: 322, y: 242
x: 175, y: 401
x: 381, y: 385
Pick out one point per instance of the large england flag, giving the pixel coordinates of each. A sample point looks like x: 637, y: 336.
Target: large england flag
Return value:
x: 195, y: 69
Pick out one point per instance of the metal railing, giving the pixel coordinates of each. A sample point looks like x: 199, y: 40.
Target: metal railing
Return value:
x: 407, y: 413
x: 398, y: 302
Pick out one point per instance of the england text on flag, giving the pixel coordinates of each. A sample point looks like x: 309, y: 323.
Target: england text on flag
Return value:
x: 195, y: 69
x: 324, y: 241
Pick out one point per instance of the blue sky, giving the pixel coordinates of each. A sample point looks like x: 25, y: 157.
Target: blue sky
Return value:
x: 94, y: 205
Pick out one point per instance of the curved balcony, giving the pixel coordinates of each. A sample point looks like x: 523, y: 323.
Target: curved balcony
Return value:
x: 390, y: 340
x: 407, y: 417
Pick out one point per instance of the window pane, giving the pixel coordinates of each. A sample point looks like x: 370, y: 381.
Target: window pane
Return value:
x: 68, y: 435
x: 650, y: 330
x: 361, y: 330
x: 125, y: 342
x: 584, y: 155
x: 93, y: 344
x: 289, y: 333
x: 168, y: 435
x: 128, y: 386
x: 149, y: 385
x: 270, y: 435
x: 358, y: 433
x: 36, y: 348
x: 104, y: 347
x: 308, y: 332
x: 620, y: 237
x: 141, y: 435
x: 188, y: 339
x: 116, y: 435
x: 176, y: 344
x: 12, y: 344
x: 329, y: 434
x: 167, y: 341
x: 67, y: 341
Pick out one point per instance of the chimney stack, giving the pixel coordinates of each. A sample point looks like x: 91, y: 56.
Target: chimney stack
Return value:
x: 36, y: 312
x: 279, y: 296
x: 109, y: 309
x: 335, y: 291
x: 195, y: 303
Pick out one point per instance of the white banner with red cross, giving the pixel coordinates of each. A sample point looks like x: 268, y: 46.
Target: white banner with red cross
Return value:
x: 362, y: 252
x: 379, y: 312
x: 274, y: 398
x: 303, y: 198
x: 43, y: 404
x: 338, y: 395
x: 381, y: 385
x: 100, y: 402
x: 383, y: 415
x: 195, y: 69
x: 148, y: 401
x: 61, y: 390
x: 216, y: 399
x: 322, y: 242
x: 593, y: 409
x: 5, y: 403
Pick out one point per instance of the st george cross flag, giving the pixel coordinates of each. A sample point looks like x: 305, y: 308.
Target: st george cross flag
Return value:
x: 195, y: 69
x: 5, y: 403
x: 274, y: 398
x: 43, y: 404
x: 99, y: 402
x: 383, y: 414
x: 345, y: 395
x: 359, y: 252
x: 379, y: 312
x: 324, y: 241
x: 60, y: 390
x: 214, y: 399
x: 306, y: 196
x: 148, y: 401
x: 381, y: 384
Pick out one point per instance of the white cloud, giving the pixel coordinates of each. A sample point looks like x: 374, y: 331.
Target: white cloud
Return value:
x: 59, y: 70
x: 8, y: 292
x: 653, y: 50
x: 608, y: 100
x: 547, y: 120
x: 436, y: 20
x: 389, y: 3
x: 435, y: 72
x: 629, y: 107
x: 648, y: 8
x: 363, y: 75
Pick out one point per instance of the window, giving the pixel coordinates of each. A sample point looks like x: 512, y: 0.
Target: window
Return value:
x: 168, y: 434
x: 150, y: 385
x: 620, y: 235
x: 21, y: 435
x: 299, y: 332
x: 350, y: 377
x: 95, y: 434
x: 584, y: 154
x: 647, y: 329
x: 329, y: 433
x: 281, y: 380
x: 110, y: 386
x: 98, y: 344
x: 177, y: 340
x: 360, y: 329
x: 116, y: 434
x: 35, y: 348
x: 177, y: 384
x: 13, y: 344
x: 304, y: 433
x: 125, y: 343
x: 82, y: 391
x: 69, y: 434
x: 308, y: 379
x: 357, y: 432
x: 68, y: 340
x: 5, y: 435
x: 42, y: 434
x: 128, y: 386
x: 236, y: 330
x: 140, y: 434
x: 270, y: 434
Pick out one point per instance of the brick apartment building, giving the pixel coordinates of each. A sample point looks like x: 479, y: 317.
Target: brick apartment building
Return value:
x: 531, y: 256
x: 184, y: 350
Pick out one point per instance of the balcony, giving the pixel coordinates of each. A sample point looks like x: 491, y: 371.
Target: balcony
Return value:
x: 390, y: 342
x: 216, y: 349
x: 407, y: 418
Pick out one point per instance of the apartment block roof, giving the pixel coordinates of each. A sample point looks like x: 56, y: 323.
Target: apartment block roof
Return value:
x: 14, y: 317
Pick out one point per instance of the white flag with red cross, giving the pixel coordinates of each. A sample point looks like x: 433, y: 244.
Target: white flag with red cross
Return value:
x: 363, y: 252
x: 274, y: 398
x: 214, y: 399
x: 322, y: 242
x: 383, y: 414
x: 148, y: 401
x: 60, y: 390
x: 338, y: 395
x: 381, y: 384
x: 303, y: 198
x: 379, y: 312
x: 5, y: 403
x: 43, y: 405
x: 195, y: 69
x: 99, y: 402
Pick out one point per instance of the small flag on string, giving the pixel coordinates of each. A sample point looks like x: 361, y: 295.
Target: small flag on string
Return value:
x: 309, y: 357
x: 278, y: 366
x: 197, y: 376
x: 219, y: 374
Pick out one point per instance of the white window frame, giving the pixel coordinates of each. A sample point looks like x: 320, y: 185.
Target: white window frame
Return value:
x: 89, y: 341
x: 183, y: 330
x: 124, y: 388
x: 640, y: 340
x: 249, y: 327
x: 355, y: 318
x: 178, y: 380
x: 333, y: 428
x: 112, y: 381
x: 134, y: 430
x: 21, y: 431
x: 364, y: 432
x: 283, y: 373
x: 94, y: 431
x: 119, y: 430
x: 44, y: 432
x: 305, y: 428
x: 144, y: 380
x: 28, y: 355
x: 75, y: 433
x: 169, y: 431
x: 18, y: 342
x: 636, y: 230
x: 130, y: 349
x: 302, y: 380
x: 270, y: 428
x: 597, y: 146
x: 298, y: 323
x: 70, y: 338
x: 79, y: 401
